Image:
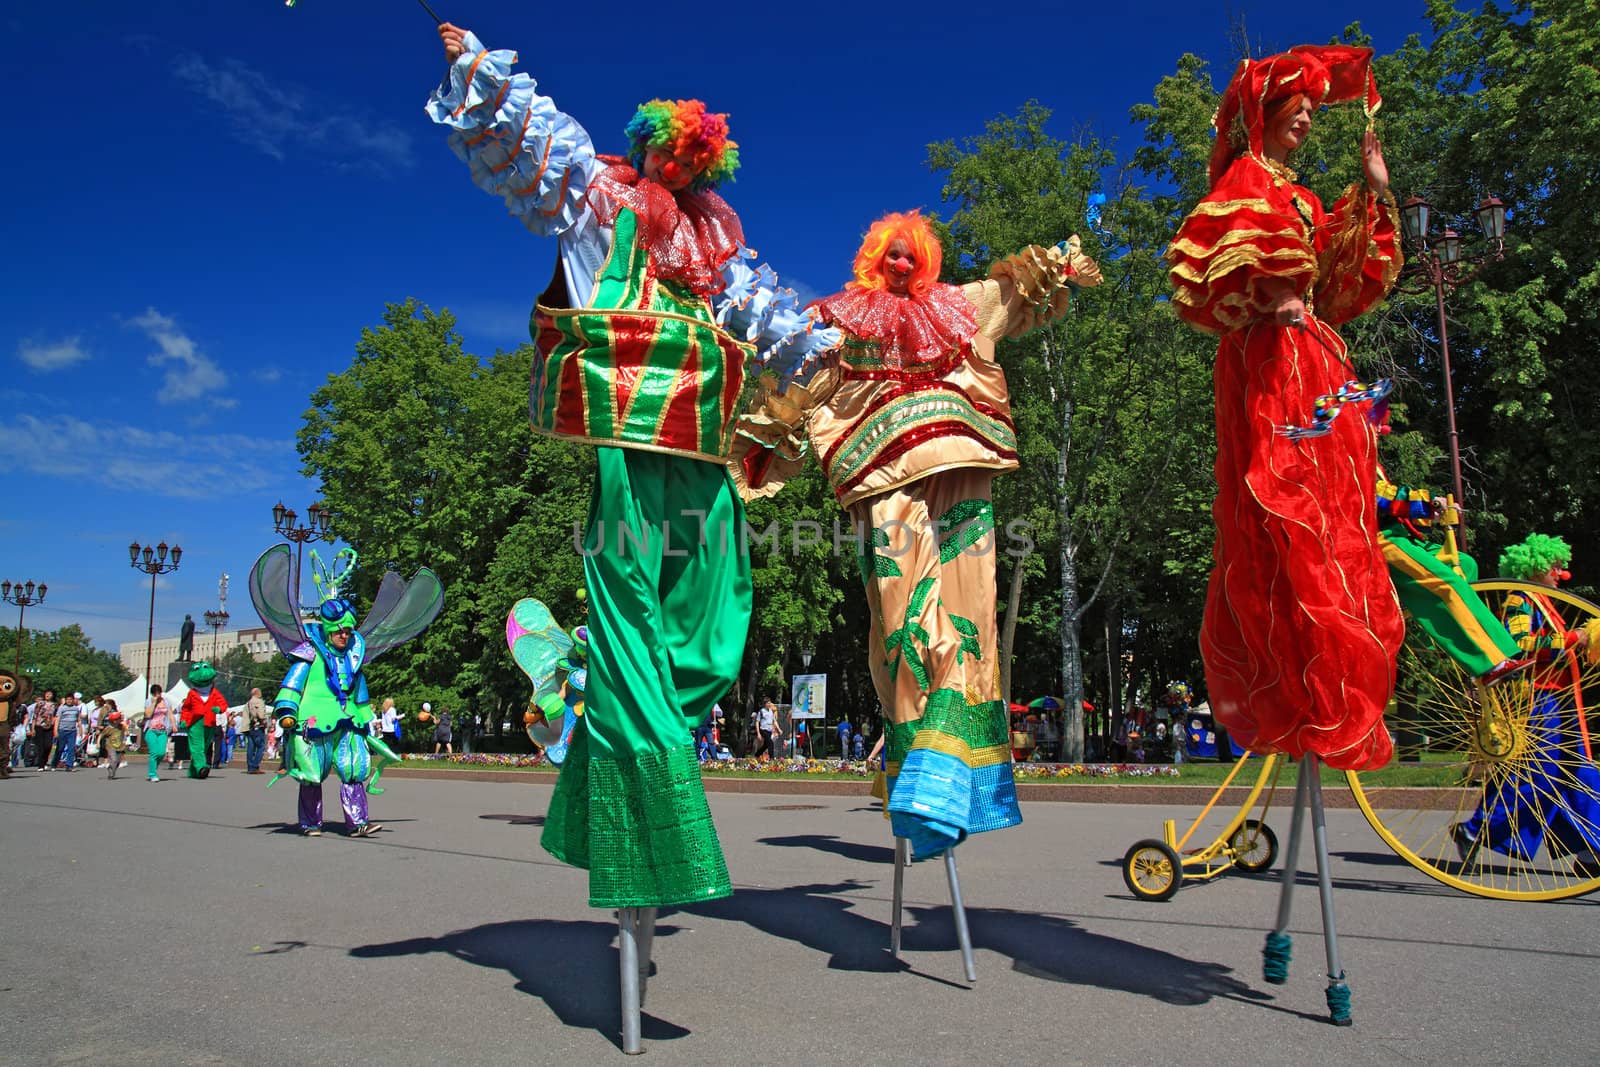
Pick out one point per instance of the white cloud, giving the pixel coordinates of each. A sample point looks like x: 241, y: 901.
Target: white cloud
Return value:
x: 138, y: 459
x: 279, y: 119
x: 267, y: 375
x: 190, y: 375
x: 48, y: 357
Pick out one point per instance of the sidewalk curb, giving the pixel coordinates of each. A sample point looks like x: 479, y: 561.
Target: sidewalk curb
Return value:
x: 1068, y: 793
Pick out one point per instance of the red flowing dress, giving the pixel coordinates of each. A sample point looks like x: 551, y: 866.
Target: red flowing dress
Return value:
x: 1301, y: 624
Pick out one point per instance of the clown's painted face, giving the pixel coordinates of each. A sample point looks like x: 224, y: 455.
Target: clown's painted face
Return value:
x: 899, y: 264
x: 1554, y: 576
x: 673, y: 172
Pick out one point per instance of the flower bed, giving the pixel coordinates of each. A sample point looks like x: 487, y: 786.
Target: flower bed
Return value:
x: 801, y: 768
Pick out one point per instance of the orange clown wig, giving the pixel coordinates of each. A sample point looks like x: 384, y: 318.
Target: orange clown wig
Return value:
x: 684, y: 127
x: 914, y: 230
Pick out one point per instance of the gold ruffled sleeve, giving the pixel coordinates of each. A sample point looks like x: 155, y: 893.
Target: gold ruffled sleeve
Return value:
x: 769, y: 440
x: 1031, y: 288
x: 1359, y: 257
x: 1236, y: 248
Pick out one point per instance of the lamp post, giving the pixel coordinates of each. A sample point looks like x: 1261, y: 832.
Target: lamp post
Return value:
x: 1436, y: 263
x: 284, y: 524
x: 216, y: 620
x: 152, y: 561
x: 22, y: 595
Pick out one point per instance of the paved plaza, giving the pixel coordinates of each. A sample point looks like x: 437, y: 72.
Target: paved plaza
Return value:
x: 188, y: 923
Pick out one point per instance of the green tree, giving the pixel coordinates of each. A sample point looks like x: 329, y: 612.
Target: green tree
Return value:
x: 1102, y: 399
x: 64, y: 661
x: 238, y: 672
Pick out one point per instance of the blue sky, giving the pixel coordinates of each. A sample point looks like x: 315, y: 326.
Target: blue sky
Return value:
x: 205, y: 202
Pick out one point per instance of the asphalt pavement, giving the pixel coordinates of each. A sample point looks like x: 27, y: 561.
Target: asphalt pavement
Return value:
x: 189, y: 923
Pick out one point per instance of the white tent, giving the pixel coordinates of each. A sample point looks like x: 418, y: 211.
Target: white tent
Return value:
x: 130, y: 699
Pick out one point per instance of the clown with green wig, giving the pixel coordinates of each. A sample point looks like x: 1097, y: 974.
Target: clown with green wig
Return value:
x: 1554, y: 801
x: 323, y: 704
x: 645, y: 332
x: 201, y: 706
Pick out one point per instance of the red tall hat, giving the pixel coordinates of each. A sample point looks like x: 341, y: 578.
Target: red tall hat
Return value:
x: 1328, y: 74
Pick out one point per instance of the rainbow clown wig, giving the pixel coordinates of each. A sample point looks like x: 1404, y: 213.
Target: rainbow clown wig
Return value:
x: 1535, y: 557
x: 914, y: 230
x: 684, y: 127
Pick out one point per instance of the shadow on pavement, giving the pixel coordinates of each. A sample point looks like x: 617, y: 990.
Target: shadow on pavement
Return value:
x: 516, y: 820
x: 1041, y: 946
x: 571, y: 966
x: 850, y: 850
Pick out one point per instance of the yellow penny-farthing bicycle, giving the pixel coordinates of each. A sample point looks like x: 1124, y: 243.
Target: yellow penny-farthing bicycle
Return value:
x: 1517, y: 754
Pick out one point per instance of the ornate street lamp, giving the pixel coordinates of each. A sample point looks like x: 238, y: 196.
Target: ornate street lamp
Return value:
x: 285, y: 523
x: 216, y: 620
x: 1437, y: 263
x: 22, y: 595
x: 152, y: 561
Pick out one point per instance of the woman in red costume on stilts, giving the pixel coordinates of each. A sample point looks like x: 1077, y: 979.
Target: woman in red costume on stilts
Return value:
x: 1301, y: 624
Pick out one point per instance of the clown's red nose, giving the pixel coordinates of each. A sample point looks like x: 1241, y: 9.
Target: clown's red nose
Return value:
x: 671, y: 171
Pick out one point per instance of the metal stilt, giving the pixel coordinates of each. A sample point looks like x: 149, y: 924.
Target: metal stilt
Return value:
x: 646, y: 938
x: 1338, y: 991
x: 899, y: 895
x: 1275, y: 954
x: 628, y: 954
x: 963, y: 935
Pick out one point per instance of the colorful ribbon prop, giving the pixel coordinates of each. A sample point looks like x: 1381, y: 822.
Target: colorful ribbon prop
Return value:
x: 1329, y: 405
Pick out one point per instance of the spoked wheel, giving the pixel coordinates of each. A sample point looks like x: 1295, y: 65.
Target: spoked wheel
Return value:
x: 1151, y: 870
x: 1254, y: 846
x: 1495, y: 790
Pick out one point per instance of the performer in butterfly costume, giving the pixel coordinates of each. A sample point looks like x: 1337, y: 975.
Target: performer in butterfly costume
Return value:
x: 912, y: 422
x: 557, y: 664
x: 323, y: 704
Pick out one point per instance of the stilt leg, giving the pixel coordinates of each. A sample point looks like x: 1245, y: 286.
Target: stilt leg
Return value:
x: 899, y: 895
x: 963, y: 935
x: 646, y: 938
x: 1275, y: 954
x: 1338, y: 991
x: 628, y: 953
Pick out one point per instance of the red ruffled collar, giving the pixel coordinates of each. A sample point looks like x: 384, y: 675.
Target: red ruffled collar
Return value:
x: 691, y: 236
x: 911, y: 332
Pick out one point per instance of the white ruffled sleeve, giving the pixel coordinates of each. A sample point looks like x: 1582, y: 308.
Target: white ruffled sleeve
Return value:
x: 518, y: 145
x: 789, y: 339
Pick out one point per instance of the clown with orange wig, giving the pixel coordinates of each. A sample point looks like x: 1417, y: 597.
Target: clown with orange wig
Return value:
x: 644, y: 334
x: 911, y: 422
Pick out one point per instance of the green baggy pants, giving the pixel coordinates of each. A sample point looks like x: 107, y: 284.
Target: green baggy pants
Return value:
x: 669, y: 610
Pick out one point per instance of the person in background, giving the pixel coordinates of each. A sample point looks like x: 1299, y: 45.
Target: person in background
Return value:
x: 227, y: 737
x: 42, y: 728
x: 255, y: 739
x: 858, y: 746
x: 441, y: 732
x: 390, y: 718
x: 767, y: 732
x: 158, y: 724
x: 846, y: 732
x: 68, y: 717
x: 89, y: 729
x: 19, y: 738
x: 113, y: 741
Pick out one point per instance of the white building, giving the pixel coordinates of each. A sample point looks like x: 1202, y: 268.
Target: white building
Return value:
x: 165, y: 649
